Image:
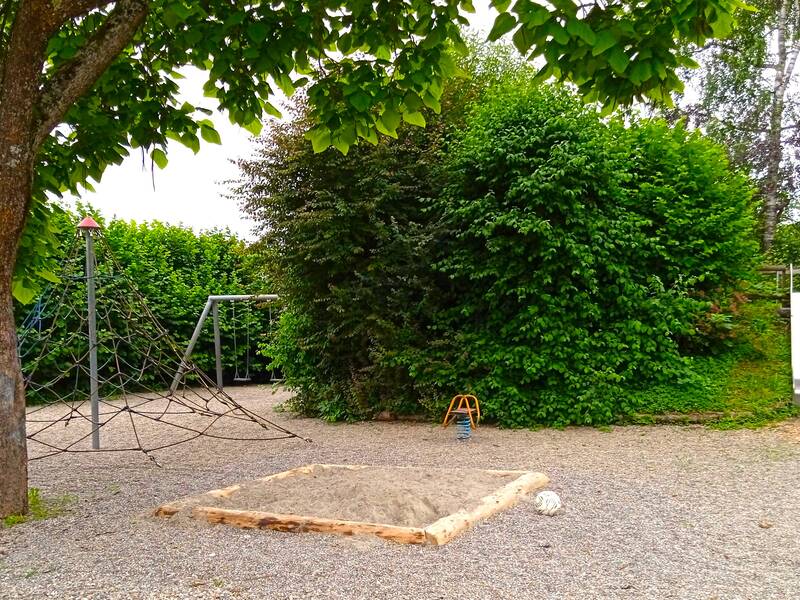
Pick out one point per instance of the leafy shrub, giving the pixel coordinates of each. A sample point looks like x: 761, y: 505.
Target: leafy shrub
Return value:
x: 348, y: 243
x: 549, y: 261
x: 587, y: 255
x: 748, y: 385
x: 698, y: 210
x: 348, y: 246
x: 786, y: 246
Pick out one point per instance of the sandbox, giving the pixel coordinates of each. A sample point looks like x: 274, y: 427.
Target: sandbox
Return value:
x: 404, y: 504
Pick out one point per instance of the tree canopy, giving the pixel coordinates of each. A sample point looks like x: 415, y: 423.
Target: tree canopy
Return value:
x: 747, y: 101
x: 111, y: 71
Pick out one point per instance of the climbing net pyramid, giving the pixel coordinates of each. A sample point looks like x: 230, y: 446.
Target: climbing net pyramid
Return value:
x: 136, y: 364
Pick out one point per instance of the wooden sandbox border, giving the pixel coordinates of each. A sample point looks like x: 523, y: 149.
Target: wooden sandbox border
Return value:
x: 437, y: 533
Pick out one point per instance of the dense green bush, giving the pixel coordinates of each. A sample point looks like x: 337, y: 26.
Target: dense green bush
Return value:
x: 786, y: 246
x: 175, y: 270
x: 530, y: 252
x: 580, y: 253
x: 348, y: 245
x: 698, y: 209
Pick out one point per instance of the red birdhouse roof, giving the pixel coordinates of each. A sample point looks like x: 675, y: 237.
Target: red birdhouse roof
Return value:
x: 88, y: 223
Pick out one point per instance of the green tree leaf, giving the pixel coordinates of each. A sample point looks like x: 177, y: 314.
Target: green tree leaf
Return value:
x: 579, y: 28
x: 210, y: 135
x: 159, y: 158
x: 504, y: 23
x: 619, y: 60
x: 414, y: 118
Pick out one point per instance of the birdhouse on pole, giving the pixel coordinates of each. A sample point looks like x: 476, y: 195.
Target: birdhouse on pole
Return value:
x: 88, y: 223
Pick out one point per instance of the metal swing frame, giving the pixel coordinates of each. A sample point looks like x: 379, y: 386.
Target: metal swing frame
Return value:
x: 212, y: 306
x: 237, y: 378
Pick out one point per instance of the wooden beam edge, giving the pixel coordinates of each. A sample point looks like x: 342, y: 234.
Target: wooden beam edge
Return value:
x: 445, y: 529
x: 167, y: 510
x: 328, y: 467
x: 304, y: 470
x: 250, y: 519
x: 505, y: 472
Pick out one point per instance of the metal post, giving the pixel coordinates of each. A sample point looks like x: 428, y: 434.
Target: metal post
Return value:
x: 185, y: 360
x: 217, y: 344
x: 91, y: 307
x: 253, y: 297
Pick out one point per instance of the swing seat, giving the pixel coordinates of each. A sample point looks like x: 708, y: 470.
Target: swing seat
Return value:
x: 242, y: 379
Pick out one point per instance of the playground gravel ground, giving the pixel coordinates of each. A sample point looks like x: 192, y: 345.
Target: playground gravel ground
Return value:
x: 650, y: 512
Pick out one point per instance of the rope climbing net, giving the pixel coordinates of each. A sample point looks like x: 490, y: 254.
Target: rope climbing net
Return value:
x: 109, y: 368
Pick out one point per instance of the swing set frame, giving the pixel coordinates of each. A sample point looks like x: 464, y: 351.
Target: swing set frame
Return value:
x: 212, y: 306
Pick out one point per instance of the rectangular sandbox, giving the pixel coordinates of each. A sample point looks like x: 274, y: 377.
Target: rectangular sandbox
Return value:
x: 409, y: 505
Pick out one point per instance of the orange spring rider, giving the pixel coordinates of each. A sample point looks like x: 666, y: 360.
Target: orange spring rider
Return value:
x: 467, y: 405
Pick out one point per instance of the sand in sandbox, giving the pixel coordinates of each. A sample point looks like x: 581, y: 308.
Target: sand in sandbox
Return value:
x: 398, y: 496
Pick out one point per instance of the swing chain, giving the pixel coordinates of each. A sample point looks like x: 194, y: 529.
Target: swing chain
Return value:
x: 236, y: 375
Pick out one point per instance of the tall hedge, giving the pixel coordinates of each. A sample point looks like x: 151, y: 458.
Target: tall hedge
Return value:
x: 523, y: 248
x: 175, y: 270
x: 348, y: 246
x: 584, y: 255
x: 698, y: 209
x: 348, y: 242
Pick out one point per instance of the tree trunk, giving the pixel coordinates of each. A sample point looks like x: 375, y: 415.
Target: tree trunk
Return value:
x: 15, y: 186
x: 19, y: 81
x: 27, y: 115
x: 774, y: 203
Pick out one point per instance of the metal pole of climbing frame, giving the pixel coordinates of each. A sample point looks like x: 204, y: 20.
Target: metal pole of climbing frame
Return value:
x: 217, y: 343
x: 88, y: 227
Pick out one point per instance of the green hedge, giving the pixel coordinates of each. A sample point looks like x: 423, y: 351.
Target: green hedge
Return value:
x: 584, y: 254
x: 550, y: 261
x: 175, y: 270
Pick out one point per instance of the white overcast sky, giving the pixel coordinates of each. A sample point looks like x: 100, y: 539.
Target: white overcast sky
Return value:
x: 191, y: 190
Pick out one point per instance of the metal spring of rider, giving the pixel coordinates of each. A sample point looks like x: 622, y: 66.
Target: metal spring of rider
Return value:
x: 463, y: 427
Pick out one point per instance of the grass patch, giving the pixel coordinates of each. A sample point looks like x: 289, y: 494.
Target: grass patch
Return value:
x: 40, y: 508
x: 748, y: 385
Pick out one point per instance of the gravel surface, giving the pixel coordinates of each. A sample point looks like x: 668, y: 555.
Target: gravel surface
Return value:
x: 650, y: 512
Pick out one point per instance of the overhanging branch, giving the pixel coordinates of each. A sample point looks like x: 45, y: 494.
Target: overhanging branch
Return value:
x: 78, y: 8
x: 73, y: 79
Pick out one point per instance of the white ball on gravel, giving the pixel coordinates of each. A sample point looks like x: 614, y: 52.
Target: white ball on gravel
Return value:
x: 547, y: 503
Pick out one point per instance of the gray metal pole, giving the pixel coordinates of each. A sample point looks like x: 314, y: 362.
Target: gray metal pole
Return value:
x: 217, y: 344
x: 184, y: 361
x: 254, y: 297
x: 212, y: 301
x: 91, y: 307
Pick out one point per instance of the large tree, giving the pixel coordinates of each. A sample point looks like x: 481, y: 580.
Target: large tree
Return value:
x: 83, y: 81
x: 747, y: 100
